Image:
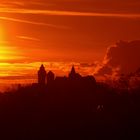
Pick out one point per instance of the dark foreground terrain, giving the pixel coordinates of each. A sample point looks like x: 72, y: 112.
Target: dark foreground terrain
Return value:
x: 70, y: 111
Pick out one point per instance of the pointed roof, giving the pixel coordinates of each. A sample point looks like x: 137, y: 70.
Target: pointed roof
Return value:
x: 42, y: 68
x: 73, y: 70
x: 50, y: 73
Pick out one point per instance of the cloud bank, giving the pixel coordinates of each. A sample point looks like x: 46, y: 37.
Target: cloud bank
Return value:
x: 123, y: 58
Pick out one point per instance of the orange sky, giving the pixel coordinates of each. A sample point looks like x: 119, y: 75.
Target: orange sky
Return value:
x: 65, y: 30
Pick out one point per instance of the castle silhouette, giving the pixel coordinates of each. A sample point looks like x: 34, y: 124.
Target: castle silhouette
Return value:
x: 47, y: 78
x: 70, y: 107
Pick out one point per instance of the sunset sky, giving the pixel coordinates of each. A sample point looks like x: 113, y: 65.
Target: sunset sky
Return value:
x: 63, y: 31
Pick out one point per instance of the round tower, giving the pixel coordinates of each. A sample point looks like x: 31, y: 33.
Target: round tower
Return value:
x: 50, y: 77
x: 42, y: 75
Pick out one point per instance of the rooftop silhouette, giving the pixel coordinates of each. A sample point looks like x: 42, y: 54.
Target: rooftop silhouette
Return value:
x: 74, y: 78
x: 42, y: 75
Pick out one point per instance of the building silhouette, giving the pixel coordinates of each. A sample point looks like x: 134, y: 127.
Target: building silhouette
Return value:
x: 73, y: 78
x: 42, y: 75
x: 50, y: 77
x: 73, y: 75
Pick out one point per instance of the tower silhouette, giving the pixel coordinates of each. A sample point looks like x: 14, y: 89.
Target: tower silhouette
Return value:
x: 73, y: 75
x: 50, y: 77
x: 42, y: 75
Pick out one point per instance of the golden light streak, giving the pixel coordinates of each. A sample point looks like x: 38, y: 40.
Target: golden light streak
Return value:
x: 8, y: 53
x: 31, y: 22
x: 28, y: 38
x: 67, y: 13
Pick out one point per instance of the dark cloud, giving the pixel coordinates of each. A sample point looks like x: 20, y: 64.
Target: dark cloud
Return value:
x: 123, y: 58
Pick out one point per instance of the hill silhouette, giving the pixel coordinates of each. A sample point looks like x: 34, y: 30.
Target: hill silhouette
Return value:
x: 72, y: 107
